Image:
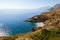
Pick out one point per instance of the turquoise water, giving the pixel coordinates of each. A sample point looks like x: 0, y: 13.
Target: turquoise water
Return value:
x: 13, y: 21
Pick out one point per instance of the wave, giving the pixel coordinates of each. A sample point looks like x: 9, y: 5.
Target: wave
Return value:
x: 3, y: 31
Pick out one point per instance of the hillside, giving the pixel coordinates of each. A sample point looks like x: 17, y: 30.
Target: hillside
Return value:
x: 57, y: 6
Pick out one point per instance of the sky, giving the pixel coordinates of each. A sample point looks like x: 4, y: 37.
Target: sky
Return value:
x: 26, y: 4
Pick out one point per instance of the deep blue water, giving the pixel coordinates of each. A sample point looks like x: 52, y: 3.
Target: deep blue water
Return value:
x: 13, y: 21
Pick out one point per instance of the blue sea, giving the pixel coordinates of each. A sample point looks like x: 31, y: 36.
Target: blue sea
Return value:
x: 12, y: 21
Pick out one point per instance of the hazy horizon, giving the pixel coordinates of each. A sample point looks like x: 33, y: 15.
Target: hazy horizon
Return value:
x: 26, y: 4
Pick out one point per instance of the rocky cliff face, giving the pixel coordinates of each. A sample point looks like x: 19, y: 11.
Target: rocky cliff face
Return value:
x: 39, y: 18
x: 50, y: 18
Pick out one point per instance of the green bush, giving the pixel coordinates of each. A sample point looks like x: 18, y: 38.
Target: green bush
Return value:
x: 45, y: 34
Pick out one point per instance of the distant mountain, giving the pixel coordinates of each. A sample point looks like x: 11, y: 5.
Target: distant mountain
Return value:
x: 57, y: 6
x: 43, y: 9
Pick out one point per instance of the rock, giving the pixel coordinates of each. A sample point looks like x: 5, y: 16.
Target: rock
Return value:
x: 36, y: 28
x: 35, y: 17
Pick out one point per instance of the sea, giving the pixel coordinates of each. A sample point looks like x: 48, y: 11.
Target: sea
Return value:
x: 13, y: 21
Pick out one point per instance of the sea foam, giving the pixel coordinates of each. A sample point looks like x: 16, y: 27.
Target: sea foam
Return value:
x: 3, y: 30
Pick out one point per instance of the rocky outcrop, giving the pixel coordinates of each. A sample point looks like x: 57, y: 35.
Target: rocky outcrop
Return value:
x: 49, y: 18
x: 46, y: 15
